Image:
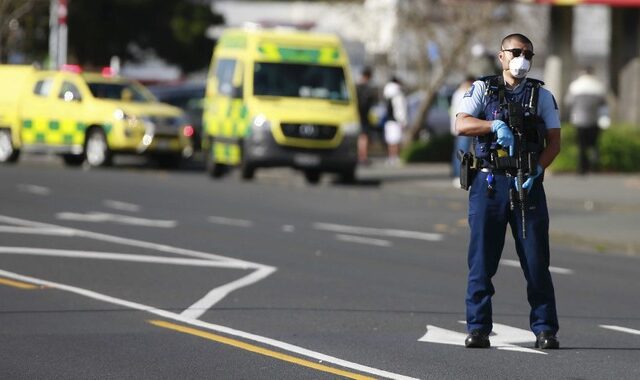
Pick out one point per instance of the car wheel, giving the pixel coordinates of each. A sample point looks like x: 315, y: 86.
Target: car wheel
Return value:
x: 97, y: 149
x: 248, y: 171
x: 312, y: 176
x: 8, y: 153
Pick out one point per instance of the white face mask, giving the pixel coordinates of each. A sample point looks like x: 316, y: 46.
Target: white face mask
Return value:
x: 519, y: 67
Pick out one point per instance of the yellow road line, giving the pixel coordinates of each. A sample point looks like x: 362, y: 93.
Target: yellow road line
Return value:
x: 256, y: 349
x: 17, y: 284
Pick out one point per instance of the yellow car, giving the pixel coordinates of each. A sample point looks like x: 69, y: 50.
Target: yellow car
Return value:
x: 86, y: 116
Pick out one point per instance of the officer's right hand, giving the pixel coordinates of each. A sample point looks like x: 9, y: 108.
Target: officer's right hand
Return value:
x: 505, y: 137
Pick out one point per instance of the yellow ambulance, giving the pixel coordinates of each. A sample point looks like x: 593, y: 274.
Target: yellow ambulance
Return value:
x: 85, y: 116
x: 280, y: 98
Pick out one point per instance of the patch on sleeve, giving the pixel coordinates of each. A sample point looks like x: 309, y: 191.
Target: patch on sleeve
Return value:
x: 555, y: 104
x: 469, y: 93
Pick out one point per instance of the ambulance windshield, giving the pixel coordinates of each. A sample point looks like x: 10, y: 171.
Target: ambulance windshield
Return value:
x: 299, y: 81
x: 120, y: 91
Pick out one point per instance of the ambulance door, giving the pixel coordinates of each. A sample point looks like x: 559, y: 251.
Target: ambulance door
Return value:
x: 36, y: 113
x: 227, y: 120
x: 69, y: 115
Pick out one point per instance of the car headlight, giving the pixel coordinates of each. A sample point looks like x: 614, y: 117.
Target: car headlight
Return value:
x: 260, y: 126
x: 351, y: 129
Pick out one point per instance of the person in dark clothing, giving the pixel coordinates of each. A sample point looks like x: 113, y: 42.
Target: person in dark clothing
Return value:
x: 366, y: 99
x: 586, y: 97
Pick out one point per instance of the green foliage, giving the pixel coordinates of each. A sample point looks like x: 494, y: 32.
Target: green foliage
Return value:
x: 619, y: 148
x: 438, y: 148
x: 174, y: 29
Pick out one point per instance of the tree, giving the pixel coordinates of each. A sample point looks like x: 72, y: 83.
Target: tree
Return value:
x: 13, y: 13
x: 448, y: 26
x: 173, y: 29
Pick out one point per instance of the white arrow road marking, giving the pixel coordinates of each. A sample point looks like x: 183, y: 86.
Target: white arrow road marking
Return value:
x: 209, y: 326
x: 363, y: 240
x: 621, y: 329
x: 122, y: 206
x: 339, y: 228
x: 99, y: 217
x: 209, y: 300
x: 503, y: 337
x: 230, y: 221
x: 516, y: 264
x: 34, y: 189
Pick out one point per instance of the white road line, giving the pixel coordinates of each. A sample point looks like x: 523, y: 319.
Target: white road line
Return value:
x: 621, y: 329
x: 209, y: 326
x: 116, y: 257
x: 516, y: 264
x: 129, y: 242
x: 35, y: 231
x: 196, y: 310
x: 34, y: 189
x: 230, y: 221
x: 98, y: 217
x: 363, y: 240
x: 378, y: 231
x: 210, y: 301
x: 121, y: 206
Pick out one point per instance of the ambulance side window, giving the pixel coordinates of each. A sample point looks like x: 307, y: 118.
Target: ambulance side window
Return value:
x: 43, y: 87
x: 224, y: 74
x: 69, y: 92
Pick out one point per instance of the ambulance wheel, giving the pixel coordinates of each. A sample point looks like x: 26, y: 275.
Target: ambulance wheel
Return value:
x: 312, y: 176
x: 8, y: 153
x: 247, y: 171
x: 348, y: 175
x: 96, y: 148
x: 73, y: 159
x: 215, y: 169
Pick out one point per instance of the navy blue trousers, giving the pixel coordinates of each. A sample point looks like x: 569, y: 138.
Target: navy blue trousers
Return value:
x: 488, y: 219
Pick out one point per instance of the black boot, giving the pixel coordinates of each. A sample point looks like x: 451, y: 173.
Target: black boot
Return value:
x: 477, y: 339
x: 546, y: 340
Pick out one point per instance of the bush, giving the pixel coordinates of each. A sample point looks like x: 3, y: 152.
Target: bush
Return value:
x: 619, y: 148
x: 438, y: 148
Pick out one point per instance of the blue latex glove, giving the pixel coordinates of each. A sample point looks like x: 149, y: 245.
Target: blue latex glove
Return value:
x: 505, y: 137
x: 528, y: 184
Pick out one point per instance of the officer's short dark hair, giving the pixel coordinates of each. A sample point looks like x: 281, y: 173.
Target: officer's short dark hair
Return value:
x: 516, y: 36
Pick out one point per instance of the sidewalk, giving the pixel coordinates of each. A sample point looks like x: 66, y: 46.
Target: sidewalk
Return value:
x: 597, y: 212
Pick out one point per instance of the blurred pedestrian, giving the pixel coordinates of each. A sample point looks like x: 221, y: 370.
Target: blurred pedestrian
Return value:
x: 484, y: 113
x: 396, y: 119
x: 481, y: 63
x: 462, y: 143
x: 367, y: 97
x: 586, y: 97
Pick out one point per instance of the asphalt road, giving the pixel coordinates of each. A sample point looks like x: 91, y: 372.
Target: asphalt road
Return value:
x: 134, y: 272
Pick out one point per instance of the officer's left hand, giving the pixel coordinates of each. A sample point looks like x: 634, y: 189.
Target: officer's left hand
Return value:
x: 528, y: 184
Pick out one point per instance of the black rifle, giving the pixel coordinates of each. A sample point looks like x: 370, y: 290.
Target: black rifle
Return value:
x: 525, y: 161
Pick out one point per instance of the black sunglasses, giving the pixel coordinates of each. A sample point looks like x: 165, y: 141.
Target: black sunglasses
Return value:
x: 528, y: 54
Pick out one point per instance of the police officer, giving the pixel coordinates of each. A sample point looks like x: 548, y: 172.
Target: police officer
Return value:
x: 482, y: 114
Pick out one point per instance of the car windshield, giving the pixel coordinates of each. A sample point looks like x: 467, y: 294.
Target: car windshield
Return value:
x: 299, y: 81
x: 122, y: 91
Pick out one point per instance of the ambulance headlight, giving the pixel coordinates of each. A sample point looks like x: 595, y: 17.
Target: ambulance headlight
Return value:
x: 119, y: 114
x: 351, y: 129
x: 260, y: 127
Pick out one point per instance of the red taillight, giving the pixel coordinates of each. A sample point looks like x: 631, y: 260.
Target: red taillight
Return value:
x: 187, y: 131
x: 108, y: 72
x: 71, y: 68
